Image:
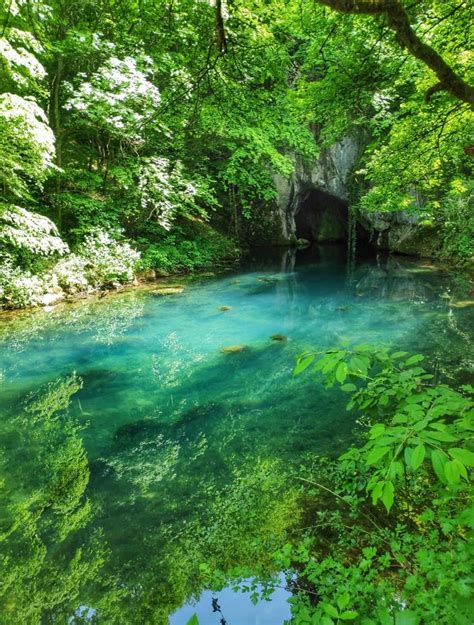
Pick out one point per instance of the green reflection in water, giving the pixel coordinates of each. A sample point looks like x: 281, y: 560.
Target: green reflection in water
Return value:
x: 172, y: 454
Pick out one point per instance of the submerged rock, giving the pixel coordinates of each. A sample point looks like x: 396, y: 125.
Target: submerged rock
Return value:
x: 142, y: 429
x: 131, y: 430
x: 233, y: 349
x: 168, y: 290
x: 196, y: 413
x: 224, y: 308
x: 279, y: 337
x: 268, y: 279
x: 464, y: 303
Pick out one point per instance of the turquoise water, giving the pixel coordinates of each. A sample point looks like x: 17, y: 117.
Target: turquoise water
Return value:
x: 176, y: 460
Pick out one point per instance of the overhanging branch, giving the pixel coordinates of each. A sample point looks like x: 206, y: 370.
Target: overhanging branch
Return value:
x: 399, y: 22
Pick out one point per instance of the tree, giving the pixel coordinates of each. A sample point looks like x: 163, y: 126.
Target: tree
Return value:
x: 399, y: 21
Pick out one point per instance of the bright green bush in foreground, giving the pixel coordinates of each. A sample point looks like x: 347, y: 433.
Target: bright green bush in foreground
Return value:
x: 390, y: 539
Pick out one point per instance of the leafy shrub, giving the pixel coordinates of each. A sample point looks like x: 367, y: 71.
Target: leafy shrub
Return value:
x: 187, y: 247
x: 458, y: 221
x: 108, y: 260
x: 408, y: 562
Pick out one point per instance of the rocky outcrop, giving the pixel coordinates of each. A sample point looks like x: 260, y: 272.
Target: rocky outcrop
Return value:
x: 318, y: 192
x: 402, y: 233
x: 312, y: 205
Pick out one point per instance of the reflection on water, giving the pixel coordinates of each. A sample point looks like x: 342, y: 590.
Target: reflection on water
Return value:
x: 173, y: 455
x: 236, y: 608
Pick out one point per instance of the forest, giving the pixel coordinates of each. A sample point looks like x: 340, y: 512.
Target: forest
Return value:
x: 236, y: 312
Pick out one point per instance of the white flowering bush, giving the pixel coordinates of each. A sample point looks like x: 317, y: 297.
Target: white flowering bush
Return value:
x: 18, y: 288
x: 18, y: 63
x: 71, y: 274
x: 26, y: 145
x: 108, y: 260
x: 117, y: 97
x: 165, y: 190
x: 25, y: 230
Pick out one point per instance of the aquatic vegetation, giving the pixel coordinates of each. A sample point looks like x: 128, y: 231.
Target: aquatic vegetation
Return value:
x: 46, y: 557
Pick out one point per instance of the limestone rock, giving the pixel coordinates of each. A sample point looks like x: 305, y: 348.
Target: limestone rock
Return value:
x: 48, y: 299
x: 233, y: 349
x: 149, y: 275
x: 168, y: 290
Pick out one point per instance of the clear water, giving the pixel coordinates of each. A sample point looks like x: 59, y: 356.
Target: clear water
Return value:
x: 176, y: 462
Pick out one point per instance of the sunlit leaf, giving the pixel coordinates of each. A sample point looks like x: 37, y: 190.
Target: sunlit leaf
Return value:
x: 387, y: 495
x: 417, y: 457
x: 376, y: 454
x: 463, y: 455
x: 303, y: 364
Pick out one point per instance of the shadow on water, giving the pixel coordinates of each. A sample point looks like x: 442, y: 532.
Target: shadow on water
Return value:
x: 178, y: 454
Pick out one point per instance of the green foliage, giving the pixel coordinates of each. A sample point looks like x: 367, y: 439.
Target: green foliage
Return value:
x: 416, y: 460
x: 457, y: 211
x: 150, y: 119
x: 190, y: 245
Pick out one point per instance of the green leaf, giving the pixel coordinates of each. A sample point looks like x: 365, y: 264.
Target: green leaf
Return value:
x: 451, y: 472
x: 414, y: 359
x: 348, y: 388
x: 398, y: 354
x: 461, y: 468
x: 396, y: 470
x: 406, y: 617
x: 330, y: 609
x: 376, y: 454
x: 377, y: 430
x: 376, y: 492
x: 348, y: 615
x: 417, y: 457
x: 438, y: 460
x: 341, y: 372
x: 325, y: 620
x: 421, y: 425
x: 444, y: 437
x: 303, y: 364
x: 193, y: 620
x: 343, y: 601
x: 387, y: 495
x: 463, y: 455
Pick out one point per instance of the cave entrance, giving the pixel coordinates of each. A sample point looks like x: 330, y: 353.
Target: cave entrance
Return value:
x: 321, y: 218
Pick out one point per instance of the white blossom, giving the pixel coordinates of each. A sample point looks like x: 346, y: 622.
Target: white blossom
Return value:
x: 30, y: 231
x: 30, y: 124
x: 118, y: 95
x: 21, y: 58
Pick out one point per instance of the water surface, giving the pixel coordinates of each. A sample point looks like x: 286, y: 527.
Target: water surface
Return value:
x: 176, y: 461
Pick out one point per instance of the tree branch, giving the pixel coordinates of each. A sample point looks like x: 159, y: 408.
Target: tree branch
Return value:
x: 220, y: 29
x: 399, y: 22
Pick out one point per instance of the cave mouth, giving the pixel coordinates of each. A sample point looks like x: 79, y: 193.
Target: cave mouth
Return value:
x: 321, y: 217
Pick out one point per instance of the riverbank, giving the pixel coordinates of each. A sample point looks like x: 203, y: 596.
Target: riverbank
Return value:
x: 174, y: 283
